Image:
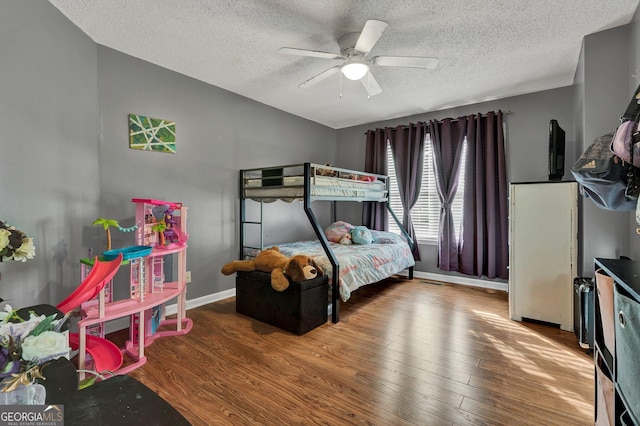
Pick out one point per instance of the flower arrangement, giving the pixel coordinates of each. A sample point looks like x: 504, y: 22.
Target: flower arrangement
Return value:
x: 14, y: 244
x: 26, y: 345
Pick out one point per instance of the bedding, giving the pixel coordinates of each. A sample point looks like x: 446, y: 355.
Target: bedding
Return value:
x: 292, y: 188
x: 388, y: 254
x: 287, y: 183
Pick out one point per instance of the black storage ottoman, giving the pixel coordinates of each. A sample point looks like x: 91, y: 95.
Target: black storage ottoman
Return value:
x: 298, y: 309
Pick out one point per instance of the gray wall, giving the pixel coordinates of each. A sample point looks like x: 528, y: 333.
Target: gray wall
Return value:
x: 578, y: 131
x: 218, y: 133
x: 601, y: 97
x: 65, y: 159
x: 49, y: 181
x: 527, y: 141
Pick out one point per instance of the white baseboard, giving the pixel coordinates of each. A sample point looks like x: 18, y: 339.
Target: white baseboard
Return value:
x: 455, y: 279
x: 122, y: 323
x: 204, y: 300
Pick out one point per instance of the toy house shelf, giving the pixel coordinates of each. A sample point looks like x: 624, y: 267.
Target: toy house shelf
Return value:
x: 148, y: 289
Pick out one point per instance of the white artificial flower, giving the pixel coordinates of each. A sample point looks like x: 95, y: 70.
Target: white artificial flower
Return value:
x: 4, y: 238
x: 9, y: 237
x: 26, y: 251
x: 4, y: 316
x: 19, y: 329
x: 44, y: 346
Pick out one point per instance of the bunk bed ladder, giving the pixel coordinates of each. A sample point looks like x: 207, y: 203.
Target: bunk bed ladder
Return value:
x: 244, y: 248
x: 335, y: 299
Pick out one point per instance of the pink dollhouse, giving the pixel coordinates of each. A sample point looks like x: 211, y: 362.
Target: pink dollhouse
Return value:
x: 161, y: 233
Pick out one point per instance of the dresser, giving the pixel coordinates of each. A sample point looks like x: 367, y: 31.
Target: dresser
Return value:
x: 543, y: 245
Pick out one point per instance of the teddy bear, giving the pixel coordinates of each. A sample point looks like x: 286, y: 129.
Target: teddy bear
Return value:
x: 346, y: 240
x: 299, y: 267
x: 326, y: 172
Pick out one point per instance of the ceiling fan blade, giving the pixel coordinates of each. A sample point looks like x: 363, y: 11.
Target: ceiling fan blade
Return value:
x: 371, y: 85
x: 311, y: 53
x: 370, y: 34
x: 406, y: 61
x: 318, y: 78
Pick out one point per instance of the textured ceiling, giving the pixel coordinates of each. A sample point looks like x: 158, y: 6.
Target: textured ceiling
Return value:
x: 488, y: 49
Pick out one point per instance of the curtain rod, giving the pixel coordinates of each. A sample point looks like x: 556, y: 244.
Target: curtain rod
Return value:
x: 506, y: 112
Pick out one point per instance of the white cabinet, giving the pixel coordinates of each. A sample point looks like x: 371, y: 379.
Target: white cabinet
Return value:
x: 543, y: 244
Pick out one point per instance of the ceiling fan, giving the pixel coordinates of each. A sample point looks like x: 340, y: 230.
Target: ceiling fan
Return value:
x: 354, y: 48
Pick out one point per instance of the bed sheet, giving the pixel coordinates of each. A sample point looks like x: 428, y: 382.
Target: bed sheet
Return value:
x: 359, y: 264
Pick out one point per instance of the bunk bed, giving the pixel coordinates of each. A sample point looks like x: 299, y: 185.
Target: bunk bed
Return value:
x: 348, y: 266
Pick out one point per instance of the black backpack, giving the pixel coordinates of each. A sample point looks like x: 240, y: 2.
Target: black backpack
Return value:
x: 604, y: 177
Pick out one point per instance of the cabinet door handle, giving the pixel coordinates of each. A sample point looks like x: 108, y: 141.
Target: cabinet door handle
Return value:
x: 621, y: 320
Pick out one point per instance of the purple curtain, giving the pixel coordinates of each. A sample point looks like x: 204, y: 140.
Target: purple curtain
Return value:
x: 447, y: 138
x: 483, y: 246
x: 374, y: 215
x: 407, y: 148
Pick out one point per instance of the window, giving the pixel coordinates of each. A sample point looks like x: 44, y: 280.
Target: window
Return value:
x: 426, y: 212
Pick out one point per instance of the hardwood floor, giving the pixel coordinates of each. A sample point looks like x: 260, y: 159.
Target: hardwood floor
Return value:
x: 404, y: 353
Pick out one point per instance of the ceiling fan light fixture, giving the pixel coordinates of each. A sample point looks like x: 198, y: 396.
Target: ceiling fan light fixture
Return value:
x: 355, y: 69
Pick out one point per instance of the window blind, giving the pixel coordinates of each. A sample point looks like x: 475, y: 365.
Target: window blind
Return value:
x: 425, y: 214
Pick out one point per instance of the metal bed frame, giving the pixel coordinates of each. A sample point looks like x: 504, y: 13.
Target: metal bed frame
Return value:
x: 275, y: 175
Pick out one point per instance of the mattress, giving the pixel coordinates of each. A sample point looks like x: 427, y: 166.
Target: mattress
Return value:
x: 322, y: 187
x: 360, y: 265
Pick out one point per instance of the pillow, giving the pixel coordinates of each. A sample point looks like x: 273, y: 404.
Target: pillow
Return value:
x: 337, y: 230
x: 381, y: 237
x: 361, y: 235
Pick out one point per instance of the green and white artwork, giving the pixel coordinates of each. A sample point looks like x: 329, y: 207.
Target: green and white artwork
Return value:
x: 152, y: 134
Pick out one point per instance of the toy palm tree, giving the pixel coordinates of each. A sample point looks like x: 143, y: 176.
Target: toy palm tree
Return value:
x: 160, y: 227
x: 106, y: 223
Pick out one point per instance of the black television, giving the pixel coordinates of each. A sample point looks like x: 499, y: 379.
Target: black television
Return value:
x: 556, y: 151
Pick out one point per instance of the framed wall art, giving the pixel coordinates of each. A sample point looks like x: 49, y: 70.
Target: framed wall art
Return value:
x: 152, y: 134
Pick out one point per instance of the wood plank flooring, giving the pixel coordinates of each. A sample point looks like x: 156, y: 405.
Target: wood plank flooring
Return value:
x: 406, y: 352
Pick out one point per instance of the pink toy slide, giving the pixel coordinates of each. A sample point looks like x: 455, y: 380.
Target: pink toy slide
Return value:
x: 100, y: 274
x: 106, y: 355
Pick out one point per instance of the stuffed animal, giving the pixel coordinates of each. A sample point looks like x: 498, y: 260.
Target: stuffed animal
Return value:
x: 326, y: 172
x: 345, y: 240
x: 299, y: 267
x: 337, y: 231
x: 361, y: 235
